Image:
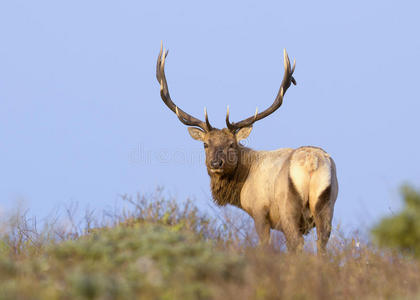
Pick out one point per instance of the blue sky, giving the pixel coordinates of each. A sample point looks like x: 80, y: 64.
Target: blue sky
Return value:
x: 81, y: 119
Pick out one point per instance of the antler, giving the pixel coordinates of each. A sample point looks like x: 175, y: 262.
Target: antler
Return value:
x: 184, y: 117
x: 285, y: 84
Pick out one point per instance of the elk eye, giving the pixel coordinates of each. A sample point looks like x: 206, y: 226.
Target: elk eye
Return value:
x: 206, y: 145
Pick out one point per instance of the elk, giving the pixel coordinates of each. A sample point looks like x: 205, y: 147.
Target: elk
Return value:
x: 291, y: 190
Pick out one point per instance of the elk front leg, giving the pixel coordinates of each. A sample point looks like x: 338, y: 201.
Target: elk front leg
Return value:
x: 262, y: 225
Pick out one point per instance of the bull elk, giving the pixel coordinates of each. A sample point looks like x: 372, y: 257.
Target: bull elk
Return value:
x: 291, y: 190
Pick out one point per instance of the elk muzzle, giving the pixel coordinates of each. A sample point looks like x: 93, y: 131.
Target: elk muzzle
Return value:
x: 217, y: 162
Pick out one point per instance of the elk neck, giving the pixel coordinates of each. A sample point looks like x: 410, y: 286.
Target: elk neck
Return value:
x: 226, y: 189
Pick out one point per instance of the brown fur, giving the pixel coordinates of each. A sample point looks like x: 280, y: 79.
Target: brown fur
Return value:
x: 226, y: 189
x: 285, y: 189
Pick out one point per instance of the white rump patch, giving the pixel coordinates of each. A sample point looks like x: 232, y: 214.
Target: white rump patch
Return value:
x: 322, y: 177
x: 310, y: 171
x: 300, y: 178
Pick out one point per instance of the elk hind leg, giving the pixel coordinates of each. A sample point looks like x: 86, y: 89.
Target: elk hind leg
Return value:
x: 294, y: 238
x: 323, y: 212
x: 292, y: 214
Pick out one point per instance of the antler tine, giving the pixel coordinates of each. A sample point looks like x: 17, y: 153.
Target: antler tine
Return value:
x: 209, y: 127
x: 228, y: 124
x: 256, y: 113
x: 231, y: 126
x: 285, y: 84
x: 184, y: 117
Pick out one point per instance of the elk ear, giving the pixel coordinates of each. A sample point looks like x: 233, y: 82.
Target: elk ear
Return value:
x: 243, y: 133
x: 196, y: 134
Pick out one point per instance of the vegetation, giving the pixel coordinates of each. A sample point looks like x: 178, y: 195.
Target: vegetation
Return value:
x: 402, y: 231
x: 160, y: 249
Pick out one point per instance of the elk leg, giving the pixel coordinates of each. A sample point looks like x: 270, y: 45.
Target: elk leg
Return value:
x: 290, y: 220
x: 323, y: 218
x: 294, y: 239
x: 323, y: 230
x: 262, y: 226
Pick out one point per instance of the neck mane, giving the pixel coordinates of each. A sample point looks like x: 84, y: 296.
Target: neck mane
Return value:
x: 226, y: 189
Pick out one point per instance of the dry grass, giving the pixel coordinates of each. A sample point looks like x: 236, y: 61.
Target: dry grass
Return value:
x: 159, y: 249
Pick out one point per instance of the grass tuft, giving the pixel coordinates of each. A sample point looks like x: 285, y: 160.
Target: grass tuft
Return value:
x: 161, y: 249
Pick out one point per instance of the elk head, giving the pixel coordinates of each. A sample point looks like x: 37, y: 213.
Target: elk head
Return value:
x: 222, y: 146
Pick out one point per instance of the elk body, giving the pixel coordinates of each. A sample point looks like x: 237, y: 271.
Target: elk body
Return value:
x: 291, y: 190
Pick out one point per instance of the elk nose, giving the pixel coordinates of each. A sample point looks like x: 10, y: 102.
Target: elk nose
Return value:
x: 216, y: 163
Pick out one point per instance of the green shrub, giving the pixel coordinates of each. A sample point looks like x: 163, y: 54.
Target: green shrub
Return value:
x: 140, y: 261
x: 402, y: 231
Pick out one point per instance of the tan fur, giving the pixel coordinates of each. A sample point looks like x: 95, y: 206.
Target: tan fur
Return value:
x: 280, y: 189
x: 289, y: 190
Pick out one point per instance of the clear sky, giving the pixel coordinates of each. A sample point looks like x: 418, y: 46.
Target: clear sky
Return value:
x: 81, y: 119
